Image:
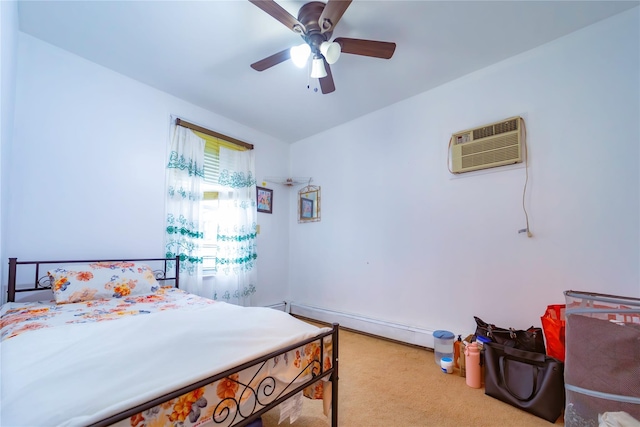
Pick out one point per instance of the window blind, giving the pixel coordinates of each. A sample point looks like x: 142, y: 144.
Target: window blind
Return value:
x: 212, y: 160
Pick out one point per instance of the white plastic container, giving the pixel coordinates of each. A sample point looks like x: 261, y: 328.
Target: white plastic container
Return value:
x: 446, y: 364
x: 443, y: 345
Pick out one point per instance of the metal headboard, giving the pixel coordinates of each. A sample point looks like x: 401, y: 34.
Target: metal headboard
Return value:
x: 43, y: 282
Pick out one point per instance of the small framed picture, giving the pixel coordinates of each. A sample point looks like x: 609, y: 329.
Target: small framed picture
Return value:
x: 309, y: 204
x: 306, y: 208
x: 264, y: 197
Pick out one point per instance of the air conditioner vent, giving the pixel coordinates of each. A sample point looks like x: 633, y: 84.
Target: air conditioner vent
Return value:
x: 496, y: 144
x: 490, y: 144
x: 507, y: 126
x: 483, y: 132
x: 489, y: 157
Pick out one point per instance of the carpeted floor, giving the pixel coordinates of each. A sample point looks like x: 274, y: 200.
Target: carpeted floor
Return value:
x: 388, y: 384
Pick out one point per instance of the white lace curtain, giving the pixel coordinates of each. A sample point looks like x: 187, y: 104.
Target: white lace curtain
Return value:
x: 183, y: 232
x: 235, y: 267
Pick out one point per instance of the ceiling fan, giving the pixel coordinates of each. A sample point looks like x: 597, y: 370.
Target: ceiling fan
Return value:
x: 315, y: 24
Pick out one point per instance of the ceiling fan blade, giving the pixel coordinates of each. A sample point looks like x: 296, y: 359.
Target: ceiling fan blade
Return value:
x: 326, y: 83
x: 332, y: 13
x: 272, y: 60
x: 366, y: 47
x: 279, y: 13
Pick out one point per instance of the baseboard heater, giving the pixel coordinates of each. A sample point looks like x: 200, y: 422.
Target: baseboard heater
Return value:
x: 398, y: 332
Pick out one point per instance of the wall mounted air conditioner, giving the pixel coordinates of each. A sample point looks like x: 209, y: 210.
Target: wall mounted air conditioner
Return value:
x: 495, y: 144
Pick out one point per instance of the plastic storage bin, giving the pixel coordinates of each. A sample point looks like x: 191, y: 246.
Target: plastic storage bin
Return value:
x: 602, y: 362
x: 442, y: 345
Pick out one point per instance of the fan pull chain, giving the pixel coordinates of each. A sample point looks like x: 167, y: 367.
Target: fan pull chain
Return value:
x: 315, y: 89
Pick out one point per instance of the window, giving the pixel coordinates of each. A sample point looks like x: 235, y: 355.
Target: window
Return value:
x: 210, y: 226
x: 209, y: 207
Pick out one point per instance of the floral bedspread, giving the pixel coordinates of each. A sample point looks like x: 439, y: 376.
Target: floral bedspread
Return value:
x: 16, y: 318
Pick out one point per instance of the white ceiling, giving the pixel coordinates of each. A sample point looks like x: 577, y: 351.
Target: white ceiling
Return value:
x: 200, y: 51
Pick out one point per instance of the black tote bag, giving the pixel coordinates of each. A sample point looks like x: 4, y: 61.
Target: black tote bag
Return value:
x: 531, y: 340
x: 531, y: 381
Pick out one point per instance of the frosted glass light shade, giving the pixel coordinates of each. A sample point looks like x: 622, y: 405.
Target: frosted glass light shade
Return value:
x: 330, y: 51
x: 300, y: 54
x: 317, y: 69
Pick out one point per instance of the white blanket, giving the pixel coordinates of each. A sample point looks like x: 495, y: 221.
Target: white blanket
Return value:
x: 80, y: 373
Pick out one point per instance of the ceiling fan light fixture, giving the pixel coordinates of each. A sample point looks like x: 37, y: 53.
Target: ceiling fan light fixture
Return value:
x: 331, y: 51
x: 300, y: 55
x: 317, y: 68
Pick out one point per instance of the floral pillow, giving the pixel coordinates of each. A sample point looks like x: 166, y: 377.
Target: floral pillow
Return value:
x: 85, y: 282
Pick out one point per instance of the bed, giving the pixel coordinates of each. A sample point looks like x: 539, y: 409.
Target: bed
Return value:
x: 136, y: 350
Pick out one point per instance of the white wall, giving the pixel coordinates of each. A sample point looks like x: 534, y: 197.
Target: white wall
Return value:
x: 9, y: 43
x: 87, y: 166
x: 401, y: 240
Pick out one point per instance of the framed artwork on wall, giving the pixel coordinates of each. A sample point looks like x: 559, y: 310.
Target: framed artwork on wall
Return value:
x: 309, y: 204
x: 306, y: 208
x: 264, y: 198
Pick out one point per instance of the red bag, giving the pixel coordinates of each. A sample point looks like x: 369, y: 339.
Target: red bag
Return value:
x: 553, y: 324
